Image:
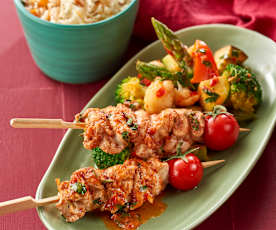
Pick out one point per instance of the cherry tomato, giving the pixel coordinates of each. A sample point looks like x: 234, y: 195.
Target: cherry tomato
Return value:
x: 185, y: 174
x: 204, y: 63
x: 221, y: 132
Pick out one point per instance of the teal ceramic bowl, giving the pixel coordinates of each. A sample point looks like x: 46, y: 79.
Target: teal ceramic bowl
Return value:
x: 78, y: 53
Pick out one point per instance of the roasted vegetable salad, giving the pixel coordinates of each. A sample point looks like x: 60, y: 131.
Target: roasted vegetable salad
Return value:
x: 193, y: 76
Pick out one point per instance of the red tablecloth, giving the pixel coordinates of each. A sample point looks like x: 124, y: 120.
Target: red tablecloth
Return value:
x: 26, y: 92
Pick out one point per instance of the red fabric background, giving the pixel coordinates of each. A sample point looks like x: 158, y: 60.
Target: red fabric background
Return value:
x: 25, y: 92
x: 177, y: 14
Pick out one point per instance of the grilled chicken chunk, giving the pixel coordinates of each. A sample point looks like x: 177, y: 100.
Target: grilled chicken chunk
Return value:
x: 156, y: 135
x: 119, y: 188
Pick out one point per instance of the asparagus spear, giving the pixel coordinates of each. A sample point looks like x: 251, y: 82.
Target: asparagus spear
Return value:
x: 173, y: 46
x: 150, y: 71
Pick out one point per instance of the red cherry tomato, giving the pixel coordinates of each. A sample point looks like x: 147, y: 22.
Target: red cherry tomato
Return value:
x: 221, y: 132
x: 185, y: 174
x: 204, y: 62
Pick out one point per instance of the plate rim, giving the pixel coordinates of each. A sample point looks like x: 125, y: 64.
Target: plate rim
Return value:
x: 109, y: 83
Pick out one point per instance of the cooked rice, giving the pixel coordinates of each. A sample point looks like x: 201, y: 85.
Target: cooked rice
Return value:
x: 75, y: 11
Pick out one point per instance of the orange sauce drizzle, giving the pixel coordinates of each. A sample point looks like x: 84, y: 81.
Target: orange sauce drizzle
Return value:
x: 139, y: 216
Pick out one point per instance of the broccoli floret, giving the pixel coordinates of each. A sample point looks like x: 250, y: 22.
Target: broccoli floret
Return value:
x: 104, y: 160
x: 245, y: 90
x: 130, y: 89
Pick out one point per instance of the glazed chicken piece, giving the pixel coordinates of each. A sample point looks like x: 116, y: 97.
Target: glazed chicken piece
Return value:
x: 119, y: 188
x: 106, y: 126
x: 156, y: 135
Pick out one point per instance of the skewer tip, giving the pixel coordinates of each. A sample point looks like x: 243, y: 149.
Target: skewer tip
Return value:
x: 208, y: 164
x: 12, y: 121
x: 245, y: 130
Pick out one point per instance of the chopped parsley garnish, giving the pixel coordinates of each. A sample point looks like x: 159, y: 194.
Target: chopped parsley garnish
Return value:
x: 195, y: 125
x: 194, y: 122
x: 224, y: 56
x: 80, y: 118
x: 235, y: 53
x: 107, y: 181
x: 211, y: 99
x: 122, y: 213
x: 143, y: 188
x: 207, y: 63
x: 132, y: 204
x: 121, y: 208
x: 125, y: 135
x: 129, y: 122
x: 79, y: 188
x: 213, y: 96
x: 161, y: 149
x: 132, y: 125
x: 97, y: 201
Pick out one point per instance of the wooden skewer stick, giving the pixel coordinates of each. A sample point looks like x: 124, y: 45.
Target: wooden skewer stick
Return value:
x: 44, y: 123
x: 28, y: 202
x: 55, y: 124
x: 208, y: 164
x: 244, y: 130
x: 25, y: 203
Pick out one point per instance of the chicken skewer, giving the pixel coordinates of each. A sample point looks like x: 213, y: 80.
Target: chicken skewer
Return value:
x: 55, y: 124
x: 73, y: 194
x: 114, y: 128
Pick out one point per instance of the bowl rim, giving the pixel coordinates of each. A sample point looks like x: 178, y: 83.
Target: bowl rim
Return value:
x: 19, y: 5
